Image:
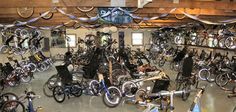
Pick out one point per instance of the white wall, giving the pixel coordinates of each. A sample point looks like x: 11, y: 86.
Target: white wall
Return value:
x: 82, y: 32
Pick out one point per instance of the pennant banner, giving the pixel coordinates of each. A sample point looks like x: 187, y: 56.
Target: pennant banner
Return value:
x: 97, y: 17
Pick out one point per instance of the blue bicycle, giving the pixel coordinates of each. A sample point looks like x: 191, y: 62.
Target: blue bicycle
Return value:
x: 111, y: 95
x: 18, y: 106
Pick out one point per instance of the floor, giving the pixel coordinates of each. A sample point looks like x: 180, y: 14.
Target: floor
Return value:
x: 213, y: 100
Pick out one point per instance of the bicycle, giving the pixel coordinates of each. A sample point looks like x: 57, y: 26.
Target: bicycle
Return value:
x: 129, y: 88
x: 5, y: 97
x: 66, y: 87
x: 154, y: 107
x: 111, y: 96
x: 185, y: 83
x: 18, y: 106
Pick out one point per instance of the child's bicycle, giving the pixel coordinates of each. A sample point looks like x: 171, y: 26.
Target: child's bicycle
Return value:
x: 18, y: 106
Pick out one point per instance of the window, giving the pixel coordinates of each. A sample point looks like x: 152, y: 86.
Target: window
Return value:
x: 137, y: 38
x: 71, y: 40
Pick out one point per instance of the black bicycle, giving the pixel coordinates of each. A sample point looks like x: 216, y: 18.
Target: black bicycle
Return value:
x: 66, y: 87
x: 185, y: 83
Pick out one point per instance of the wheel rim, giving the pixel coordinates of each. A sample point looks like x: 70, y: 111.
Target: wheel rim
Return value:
x: 13, y: 106
x: 94, y: 86
x: 222, y: 80
x: 58, y: 94
x: 114, y: 96
x: 25, y: 78
x: 203, y: 74
x: 127, y: 89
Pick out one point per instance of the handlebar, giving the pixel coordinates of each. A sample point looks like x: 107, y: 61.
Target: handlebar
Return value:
x: 168, y: 93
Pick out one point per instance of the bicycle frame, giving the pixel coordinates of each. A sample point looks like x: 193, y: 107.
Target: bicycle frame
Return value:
x: 167, y: 93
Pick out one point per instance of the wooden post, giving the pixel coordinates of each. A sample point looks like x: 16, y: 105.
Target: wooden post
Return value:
x: 110, y: 71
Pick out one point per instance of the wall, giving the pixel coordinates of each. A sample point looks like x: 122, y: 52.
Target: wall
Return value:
x: 82, y: 32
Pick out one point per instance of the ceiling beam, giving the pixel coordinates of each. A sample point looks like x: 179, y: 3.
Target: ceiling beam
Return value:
x: 224, y: 5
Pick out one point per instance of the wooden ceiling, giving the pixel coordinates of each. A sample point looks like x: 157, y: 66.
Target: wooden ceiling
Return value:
x: 208, y: 9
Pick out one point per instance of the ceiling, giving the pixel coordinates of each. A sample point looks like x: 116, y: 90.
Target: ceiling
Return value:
x: 206, y: 9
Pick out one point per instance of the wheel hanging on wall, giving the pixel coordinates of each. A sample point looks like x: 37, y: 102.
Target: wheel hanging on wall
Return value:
x: 92, y: 13
x: 25, y: 12
x: 85, y: 9
x: 48, y: 16
x: 69, y: 24
x: 180, y: 16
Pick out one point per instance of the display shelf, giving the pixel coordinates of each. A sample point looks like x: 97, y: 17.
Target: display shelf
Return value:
x: 207, y: 47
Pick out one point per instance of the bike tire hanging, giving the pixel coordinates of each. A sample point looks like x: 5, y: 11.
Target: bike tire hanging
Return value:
x: 25, y: 12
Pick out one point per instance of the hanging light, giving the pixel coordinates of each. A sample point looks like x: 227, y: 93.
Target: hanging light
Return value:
x: 113, y: 29
x: 106, y: 30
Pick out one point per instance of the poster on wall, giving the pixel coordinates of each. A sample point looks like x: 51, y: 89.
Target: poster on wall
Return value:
x: 121, y: 39
x: 70, y: 40
x: 116, y: 17
x: 58, y: 39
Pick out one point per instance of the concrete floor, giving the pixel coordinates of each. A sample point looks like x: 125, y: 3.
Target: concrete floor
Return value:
x: 213, y: 100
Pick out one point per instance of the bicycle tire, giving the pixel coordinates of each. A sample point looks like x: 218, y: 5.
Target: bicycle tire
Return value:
x: 48, y: 16
x: 25, y: 16
x: 219, y: 77
x: 58, y: 90
x: 41, y: 67
x: 230, y: 43
x: 211, y: 77
x: 50, y: 84
x: 178, y: 82
x: 4, y: 49
x: 141, y: 95
x: 16, y: 103
x: 187, y: 94
x: 94, y: 86
x: 15, y: 97
x: 202, y: 75
x: 107, y: 99
x: 26, y: 77
x: 76, y: 90
x: 125, y: 91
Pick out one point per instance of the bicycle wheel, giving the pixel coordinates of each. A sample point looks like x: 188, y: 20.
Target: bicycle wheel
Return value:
x: 59, y: 94
x: 32, y: 67
x: 178, y: 81
x: 222, y: 80
x: 26, y: 77
x: 222, y: 43
x: 76, y: 90
x: 161, y: 63
x: 186, y: 87
x: 13, y: 106
x: 11, y: 80
x: 112, y: 97
x: 94, y: 86
x: 141, y: 95
x: 129, y: 89
x: 4, y: 49
x: 211, y: 77
x: 49, y: 85
x: 230, y: 43
x: 203, y: 74
x: 179, y: 40
x: 8, y: 96
x: 41, y: 67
